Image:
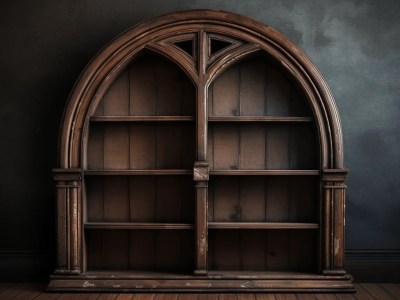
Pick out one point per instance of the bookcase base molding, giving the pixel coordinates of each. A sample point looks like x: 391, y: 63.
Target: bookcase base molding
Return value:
x: 218, y: 282
x: 201, y: 151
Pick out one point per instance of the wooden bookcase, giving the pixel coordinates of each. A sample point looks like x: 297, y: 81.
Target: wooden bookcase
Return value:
x: 201, y: 151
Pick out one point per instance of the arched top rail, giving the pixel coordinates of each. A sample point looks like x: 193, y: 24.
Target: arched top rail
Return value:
x: 175, y: 36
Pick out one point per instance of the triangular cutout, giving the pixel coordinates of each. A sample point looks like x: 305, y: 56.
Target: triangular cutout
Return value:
x: 218, y: 45
x: 186, y: 46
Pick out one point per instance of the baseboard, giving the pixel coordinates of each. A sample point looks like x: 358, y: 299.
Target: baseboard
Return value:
x: 373, y: 265
x: 364, y: 265
x: 22, y: 266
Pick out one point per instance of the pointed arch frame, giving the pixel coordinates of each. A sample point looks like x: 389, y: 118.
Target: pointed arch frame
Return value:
x: 155, y: 35
x: 114, y: 57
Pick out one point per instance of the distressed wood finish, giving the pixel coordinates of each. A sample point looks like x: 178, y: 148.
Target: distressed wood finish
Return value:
x: 201, y: 151
x: 371, y: 291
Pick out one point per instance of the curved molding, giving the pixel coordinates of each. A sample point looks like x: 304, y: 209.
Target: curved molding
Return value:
x: 114, y: 57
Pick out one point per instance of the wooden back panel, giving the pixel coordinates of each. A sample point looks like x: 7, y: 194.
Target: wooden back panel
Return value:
x: 150, y: 86
x: 256, y: 86
x: 263, y: 250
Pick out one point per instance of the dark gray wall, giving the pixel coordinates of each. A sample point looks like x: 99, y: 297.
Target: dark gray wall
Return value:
x: 45, y: 44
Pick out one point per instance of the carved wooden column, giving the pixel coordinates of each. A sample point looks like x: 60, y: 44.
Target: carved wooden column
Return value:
x: 200, y: 170
x: 333, y: 212
x: 200, y: 176
x: 68, y: 185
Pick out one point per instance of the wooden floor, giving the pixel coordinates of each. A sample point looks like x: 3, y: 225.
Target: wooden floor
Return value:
x: 28, y: 291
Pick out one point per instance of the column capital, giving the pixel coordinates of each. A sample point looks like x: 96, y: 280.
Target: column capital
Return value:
x: 201, y: 171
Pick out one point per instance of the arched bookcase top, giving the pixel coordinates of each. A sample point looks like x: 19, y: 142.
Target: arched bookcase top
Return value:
x: 203, y: 43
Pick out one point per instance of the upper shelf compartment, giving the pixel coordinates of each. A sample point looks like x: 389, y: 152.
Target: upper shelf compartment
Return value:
x: 150, y: 87
x: 255, y: 88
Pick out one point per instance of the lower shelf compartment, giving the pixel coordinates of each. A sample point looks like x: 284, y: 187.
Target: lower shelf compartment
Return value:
x: 140, y: 250
x: 213, y: 282
x: 263, y: 250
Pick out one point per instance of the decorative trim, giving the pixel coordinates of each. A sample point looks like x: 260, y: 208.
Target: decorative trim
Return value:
x: 201, y: 171
x: 374, y: 265
x: 372, y: 255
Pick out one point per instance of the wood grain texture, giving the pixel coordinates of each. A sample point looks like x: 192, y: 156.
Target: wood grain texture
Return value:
x: 228, y: 107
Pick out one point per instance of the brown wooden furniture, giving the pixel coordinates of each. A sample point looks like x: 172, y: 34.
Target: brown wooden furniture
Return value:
x: 201, y: 151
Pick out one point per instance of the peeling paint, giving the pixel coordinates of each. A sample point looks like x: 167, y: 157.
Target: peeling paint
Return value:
x: 203, y: 244
x: 337, y: 244
x: 88, y: 284
x: 246, y: 284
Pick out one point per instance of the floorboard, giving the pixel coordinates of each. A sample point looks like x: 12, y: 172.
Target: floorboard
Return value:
x: 32, y: 291
x: 377, y: 291
x: 393, y: 289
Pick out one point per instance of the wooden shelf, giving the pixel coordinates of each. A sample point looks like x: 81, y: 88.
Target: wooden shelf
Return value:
x: 265, y: 172
x: 141, y: 118
x: 274, y: 119
x: 261, y: 225
x: 128, y: 225
x: 140, y: 172
x: 212, y: 172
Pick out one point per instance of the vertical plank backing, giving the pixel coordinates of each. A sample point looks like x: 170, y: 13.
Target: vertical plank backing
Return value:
x: 277, y: 256
x: 143, y: 198
x: 226, y: 146
x: 95, y: 199
x: 303, y: 147
x: 225, y: 91
x: 188, y: 102
x: 116, y: 146
x: 142, y: 146
x: 116, y: 99
x: 187, y: 250
x: 303, y: 199
x: 168, y: 147
x: 210, y: 199
x: 252, y: 147
x: 168, y: 199
x: 277, y: 92
x: 226, y: 254
x: 226, y: 199
x: 253, y: 250
x: 252, y: 199
x: 299, y: 105
x: 116, y: 250
x: 95, y: 150
x: 188, y: 145
x: 187, y: 199
x: 142, y: 250
x: 277, y: 147
x: 94, y: 249
x: 168, y: 245
x: 277, y: 199
x: 116, y: 199
x: 143, y: 87
x: 252, y: 87
x: 169, y: 92
x: 302, y: 251
x: 210, y: 147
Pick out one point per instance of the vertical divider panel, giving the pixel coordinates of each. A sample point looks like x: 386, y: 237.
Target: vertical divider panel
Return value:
x: 201, y: 168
